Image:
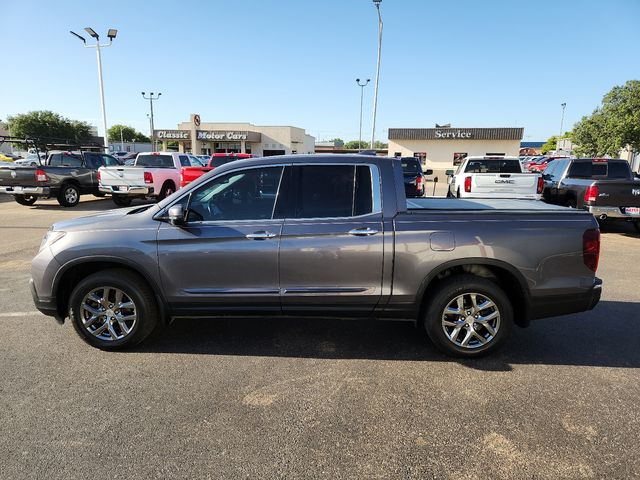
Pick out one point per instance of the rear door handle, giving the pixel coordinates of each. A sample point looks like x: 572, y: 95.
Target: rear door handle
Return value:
x: 261, y: 235
x: 362, y: 232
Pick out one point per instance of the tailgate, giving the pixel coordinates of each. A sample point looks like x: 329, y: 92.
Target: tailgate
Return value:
x: 116, y: 176
x: 17, y: 176
x: 618, y: 193
x: 518, y: 183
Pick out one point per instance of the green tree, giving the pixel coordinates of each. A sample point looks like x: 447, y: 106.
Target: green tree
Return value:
x: 613, y: 125
x: 550, y: 144
x: 129, y: 134
x: 356, y: 145
x: 338, y: 142
x: 46, y: 124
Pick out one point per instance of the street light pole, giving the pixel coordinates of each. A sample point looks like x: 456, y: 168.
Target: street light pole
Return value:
x: 151, y: 98
x: 563, y: 105
x: 121, y: 141
x: 375, y: 90
x: 111, y: 34
x: 361, y: 85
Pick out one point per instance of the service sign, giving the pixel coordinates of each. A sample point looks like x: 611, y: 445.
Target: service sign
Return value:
x: 462, y: 134
x: 228, y: 136
x: 172, y: 134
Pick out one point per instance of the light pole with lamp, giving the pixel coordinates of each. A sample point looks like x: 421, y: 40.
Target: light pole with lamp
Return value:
x: 111, y: 34
x: 361, y: 85
x: 375, y: 88
x: 151, y: 98
x: 563, y: 105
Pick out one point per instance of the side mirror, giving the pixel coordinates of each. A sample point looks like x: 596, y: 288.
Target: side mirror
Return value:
x: 176, y: 215
x: 449, y: 173
x: 428, y: 171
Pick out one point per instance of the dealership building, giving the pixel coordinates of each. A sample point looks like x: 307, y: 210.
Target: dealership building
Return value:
x: 445, y: 148
x: 203, y: 138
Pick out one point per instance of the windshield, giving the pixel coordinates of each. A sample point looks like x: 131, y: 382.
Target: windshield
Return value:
x: 493, y: 166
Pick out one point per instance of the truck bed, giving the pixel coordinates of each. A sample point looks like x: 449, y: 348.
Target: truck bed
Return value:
x: 485, y: 204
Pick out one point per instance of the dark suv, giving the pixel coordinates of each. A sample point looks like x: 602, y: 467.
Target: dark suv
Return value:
x: 414, y: 179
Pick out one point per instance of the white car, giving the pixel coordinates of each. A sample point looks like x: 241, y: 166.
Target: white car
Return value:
x: 153, y: 175
x: 31, y: 160
x: 494, y: 177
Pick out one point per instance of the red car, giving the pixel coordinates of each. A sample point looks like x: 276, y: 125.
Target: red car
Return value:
x: 542, y: 164
x: 189, y: 174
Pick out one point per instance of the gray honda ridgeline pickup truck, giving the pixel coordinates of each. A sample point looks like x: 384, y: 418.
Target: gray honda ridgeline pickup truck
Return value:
x: 320, y: 235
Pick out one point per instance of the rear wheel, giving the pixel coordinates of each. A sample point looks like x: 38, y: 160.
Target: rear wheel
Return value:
x: 636, y: 224
x: 99, y: 194
x: 121, y: 200
x: 69, y: 195
x: 571, y: 202
x: 468, y: 316
x: 25, y: 199
x: 167, y: 189
x: 113, y: 309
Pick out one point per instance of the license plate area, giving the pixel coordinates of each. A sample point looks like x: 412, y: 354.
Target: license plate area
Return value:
x: 632, y: 210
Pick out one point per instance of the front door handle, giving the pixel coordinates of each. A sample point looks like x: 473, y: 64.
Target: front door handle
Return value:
x: 261, y: 235
x: 362, y: 232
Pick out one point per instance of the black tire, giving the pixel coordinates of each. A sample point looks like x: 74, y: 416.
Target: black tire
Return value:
x: 167, y: 189
x: 25, y: 199
x: 458, y: 193
x: 135, y: 288
x: 121, y: 200
x: 69, y: 195
x: 99, y: 194
x: 571, y: 203
x: 636, y: 224
x: 444, y: 294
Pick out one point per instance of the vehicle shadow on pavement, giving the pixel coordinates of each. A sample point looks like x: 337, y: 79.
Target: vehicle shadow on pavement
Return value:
x: 595, y: 338
x: 88, y: 205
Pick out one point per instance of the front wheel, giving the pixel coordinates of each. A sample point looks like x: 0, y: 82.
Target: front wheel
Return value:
x: 121, y: 200
x: 69, y: 195
x: 25, y: 199
x: 468, y: 316
x: 113, y: 309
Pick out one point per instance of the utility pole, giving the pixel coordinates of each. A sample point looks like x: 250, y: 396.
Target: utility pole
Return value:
x: 111, y: 34
x: 375, y: 91
x: 361, y: 85
x: 151, y: 98
x: 121, y: 141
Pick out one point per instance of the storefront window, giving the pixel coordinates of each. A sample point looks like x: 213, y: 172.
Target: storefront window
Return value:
x: 227, y: 147
x: 459, y: 157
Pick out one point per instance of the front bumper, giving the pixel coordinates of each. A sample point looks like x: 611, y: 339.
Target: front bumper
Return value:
x: 46, y: 305
x: 129, y: 190
x: 543, y: 307
x: 35, y: 191
x: 612, y: 212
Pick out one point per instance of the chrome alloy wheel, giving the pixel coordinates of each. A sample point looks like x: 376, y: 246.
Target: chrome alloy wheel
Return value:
x: 108, y: 313
x: 71, y: 195
x: 471, y: 320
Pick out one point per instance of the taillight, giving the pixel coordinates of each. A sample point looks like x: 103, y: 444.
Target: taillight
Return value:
x: 41, y: 176
x: 467, y: 184
x: 148, y: 178
x: 99, y: 176
x: 591, y: 248
x: 418, y: 183
x: 591, y: 194
x: 540, y: 185
x: 181, y: 179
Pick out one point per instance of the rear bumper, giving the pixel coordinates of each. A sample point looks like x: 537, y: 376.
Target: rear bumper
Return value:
x: 611, y: 212
x: 129, y: 190
x: 35, y: 191
x: 46, y: 305
x: 544, y: 307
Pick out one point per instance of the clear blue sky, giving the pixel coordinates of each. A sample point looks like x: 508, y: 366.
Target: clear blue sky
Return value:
x: 293, y: 62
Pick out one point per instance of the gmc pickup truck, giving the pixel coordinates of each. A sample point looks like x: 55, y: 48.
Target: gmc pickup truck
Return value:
x: 604, y: 187
x: 320, y: 235
x: 153, y: 175
x: 64, y: 176
x: 494, y: 177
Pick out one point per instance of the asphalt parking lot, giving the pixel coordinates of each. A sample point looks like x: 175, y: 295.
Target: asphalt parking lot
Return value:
x: 302, y: 398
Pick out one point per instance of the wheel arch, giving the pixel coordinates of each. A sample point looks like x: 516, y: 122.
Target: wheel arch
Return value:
x: 506, y: 276
x: 75, y: 270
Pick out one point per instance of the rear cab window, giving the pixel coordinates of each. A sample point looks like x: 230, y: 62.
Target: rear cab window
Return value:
x: 411, y: 166
x: 493, y: 166
x: 600, y: 168
x: 156, y: 161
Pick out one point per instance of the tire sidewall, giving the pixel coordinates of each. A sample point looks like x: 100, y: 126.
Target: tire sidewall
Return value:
x: 121, y: 201
x: 445, y: 293
x: 26, y: 200
x: 131, y: 289
x: 62, y: 199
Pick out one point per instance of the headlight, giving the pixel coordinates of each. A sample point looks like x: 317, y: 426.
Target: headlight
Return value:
x: 51, y: 237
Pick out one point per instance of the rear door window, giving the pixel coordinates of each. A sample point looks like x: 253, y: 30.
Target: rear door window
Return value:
x: 184, y: 161
x: 331, y: 191
x: 55, y: 160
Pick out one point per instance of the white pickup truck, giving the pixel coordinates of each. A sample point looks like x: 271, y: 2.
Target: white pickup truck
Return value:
x: 153, y: 175
x: 494, y: 177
